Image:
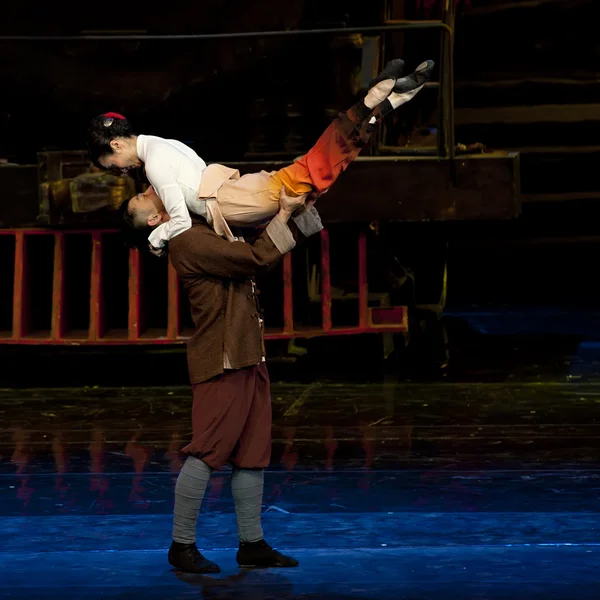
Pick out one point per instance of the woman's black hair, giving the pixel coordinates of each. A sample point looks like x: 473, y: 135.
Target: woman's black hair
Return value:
x: 102, y: 130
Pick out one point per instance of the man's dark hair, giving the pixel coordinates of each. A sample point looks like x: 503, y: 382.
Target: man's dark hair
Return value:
x: 102, y: 130
x: 132, y: 237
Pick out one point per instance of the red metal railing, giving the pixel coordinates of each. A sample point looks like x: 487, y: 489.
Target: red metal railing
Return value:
x: 99, y: 331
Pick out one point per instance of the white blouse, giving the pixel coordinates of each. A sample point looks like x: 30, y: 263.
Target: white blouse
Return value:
x: 175, y: 171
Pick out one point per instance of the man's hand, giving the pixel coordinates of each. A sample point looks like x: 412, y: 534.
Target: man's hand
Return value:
x: 157, y: 251
x: 288, y: 205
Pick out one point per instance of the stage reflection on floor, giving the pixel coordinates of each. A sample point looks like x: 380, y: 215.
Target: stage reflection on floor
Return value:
x: 380, y: 490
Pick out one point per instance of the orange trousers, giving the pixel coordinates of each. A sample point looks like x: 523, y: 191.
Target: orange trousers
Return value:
x: 254, y: 197
x: 316, y: 171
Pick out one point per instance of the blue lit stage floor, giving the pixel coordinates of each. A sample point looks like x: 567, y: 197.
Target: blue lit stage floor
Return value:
x: 399, y: 491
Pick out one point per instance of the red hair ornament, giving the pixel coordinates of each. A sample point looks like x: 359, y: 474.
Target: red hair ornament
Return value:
x: 110, y: 117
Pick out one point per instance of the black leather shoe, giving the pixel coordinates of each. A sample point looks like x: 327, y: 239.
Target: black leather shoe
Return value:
x: 420, y: 76
x: 187, y: 558
x: 393, y: 70
x: 259, y: 555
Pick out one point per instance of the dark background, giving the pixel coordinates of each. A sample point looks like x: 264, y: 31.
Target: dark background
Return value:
x: 526, y: 79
